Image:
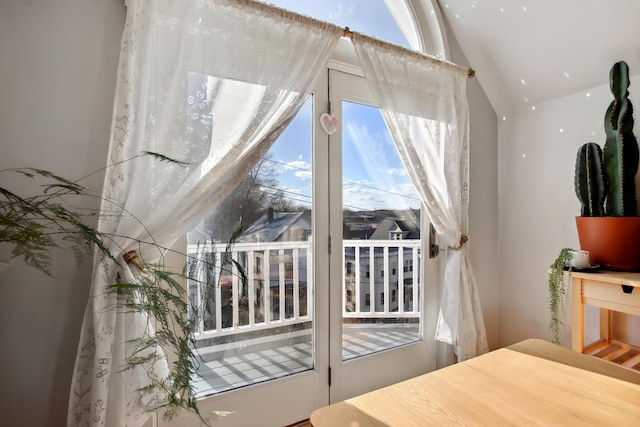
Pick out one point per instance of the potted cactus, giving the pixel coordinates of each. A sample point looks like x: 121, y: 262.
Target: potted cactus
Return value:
x: 609, y: 226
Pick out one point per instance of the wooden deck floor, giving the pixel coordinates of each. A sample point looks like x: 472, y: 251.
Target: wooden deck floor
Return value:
x: 232, y: 365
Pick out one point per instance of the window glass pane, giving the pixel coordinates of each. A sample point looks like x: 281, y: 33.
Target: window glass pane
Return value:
x: 261, y: 329
x: 371, y: 17
x: 381, y: 214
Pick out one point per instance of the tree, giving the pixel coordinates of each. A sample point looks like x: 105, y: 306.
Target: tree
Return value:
x: 257, y: 192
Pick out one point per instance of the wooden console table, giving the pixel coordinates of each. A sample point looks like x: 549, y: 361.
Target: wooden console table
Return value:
x: 611, y: 291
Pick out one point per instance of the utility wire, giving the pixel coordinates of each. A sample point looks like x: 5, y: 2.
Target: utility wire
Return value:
x: 347, y: 181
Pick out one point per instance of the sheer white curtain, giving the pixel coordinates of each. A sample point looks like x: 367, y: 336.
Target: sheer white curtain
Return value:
x: 425, y: 107
x: 211, y: 83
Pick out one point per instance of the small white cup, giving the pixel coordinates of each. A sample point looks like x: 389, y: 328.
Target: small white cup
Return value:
x: 580, y: 259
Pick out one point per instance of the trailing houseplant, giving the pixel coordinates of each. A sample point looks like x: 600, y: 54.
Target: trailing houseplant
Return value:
x: 609, y: 227
x: 33, y: 226
x: 558, y: 292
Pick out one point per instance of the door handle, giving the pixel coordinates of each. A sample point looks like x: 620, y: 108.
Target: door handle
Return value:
x: 434, y: 249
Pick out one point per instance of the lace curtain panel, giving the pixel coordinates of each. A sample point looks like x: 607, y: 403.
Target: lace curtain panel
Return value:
x: 209, y: 83
x: 425, y: 107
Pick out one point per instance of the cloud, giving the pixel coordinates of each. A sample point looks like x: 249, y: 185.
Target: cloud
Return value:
x: 369, y: 145
x: 296, y: 195
x: 362, y: 198
x: 297, y: 164
x: 301, y: 167
x: 397, y: 172
x: 392, y: 187
x: 292, y: 191
x: 303, y: 175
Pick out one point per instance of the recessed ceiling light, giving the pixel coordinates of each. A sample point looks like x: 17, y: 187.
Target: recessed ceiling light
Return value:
x: 504, y: 118
x: 588, y: 94
x: 502, y: 10
x: 561, y: 130
x: 523, y: 82
x: 566, y: 74
x: 533, y: 108
x: 524, y: 8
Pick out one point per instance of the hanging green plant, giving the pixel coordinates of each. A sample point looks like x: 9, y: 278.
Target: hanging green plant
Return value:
x: 31, y: 227
x: 558, y: 293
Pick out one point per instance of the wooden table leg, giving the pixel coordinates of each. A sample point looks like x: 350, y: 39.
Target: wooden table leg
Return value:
x: 577, y: 315
x: 605, y: 324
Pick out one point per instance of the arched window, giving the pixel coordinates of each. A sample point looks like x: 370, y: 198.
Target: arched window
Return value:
x: 414, y: 24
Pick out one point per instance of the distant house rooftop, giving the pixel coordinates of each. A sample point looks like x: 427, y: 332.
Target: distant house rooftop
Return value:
x: 296, y: 226
x: 278, y: 226
x: 395, y: 229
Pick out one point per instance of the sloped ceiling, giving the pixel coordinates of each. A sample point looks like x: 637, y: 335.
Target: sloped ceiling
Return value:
x: 530, y: 51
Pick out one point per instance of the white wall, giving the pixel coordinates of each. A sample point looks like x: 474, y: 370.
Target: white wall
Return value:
x: 483, y: 198
x: 58, y: 61
x: 537, y: 151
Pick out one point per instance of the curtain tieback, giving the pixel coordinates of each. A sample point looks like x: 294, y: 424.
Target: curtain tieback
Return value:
x: 463, y: 239
x: 132, y: 257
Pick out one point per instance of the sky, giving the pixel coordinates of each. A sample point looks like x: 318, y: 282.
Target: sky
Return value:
x: 373, y: 175
x: 371, y: 17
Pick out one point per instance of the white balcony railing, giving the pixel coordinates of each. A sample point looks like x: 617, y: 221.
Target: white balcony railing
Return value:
x: 380, y: 281
x: 381, y: 278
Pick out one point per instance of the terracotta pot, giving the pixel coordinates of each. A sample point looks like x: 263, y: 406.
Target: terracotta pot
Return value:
x: 612, y: 242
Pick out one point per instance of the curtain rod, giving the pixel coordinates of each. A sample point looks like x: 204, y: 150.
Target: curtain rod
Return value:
x: 351, y: 34
x: 346, y: 32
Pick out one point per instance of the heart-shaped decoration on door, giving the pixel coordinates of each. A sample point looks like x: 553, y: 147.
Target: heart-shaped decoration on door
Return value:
x: 329, y: 123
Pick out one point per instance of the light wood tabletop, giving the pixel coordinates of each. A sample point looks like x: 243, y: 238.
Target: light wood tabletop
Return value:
x: 500, y: 388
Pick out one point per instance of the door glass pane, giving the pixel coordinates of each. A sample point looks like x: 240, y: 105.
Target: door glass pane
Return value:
x: 260, y: 329
x: 381, y: 238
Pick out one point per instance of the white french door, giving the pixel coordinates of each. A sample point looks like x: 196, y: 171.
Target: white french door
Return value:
x: 264, y: 342
x: 381, y: 315
x: 341, y: 296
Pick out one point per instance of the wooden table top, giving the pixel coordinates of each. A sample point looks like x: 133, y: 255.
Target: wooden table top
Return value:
x: 500, y: 388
